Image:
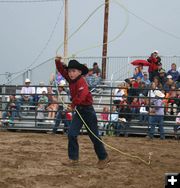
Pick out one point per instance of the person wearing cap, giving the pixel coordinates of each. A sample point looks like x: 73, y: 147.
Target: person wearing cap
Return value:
x: 39, y: 91
x: 27, y: 91
x: 81, y: 101
x: 60, y: 115
x: 145, y: 79
x: 162, y: 76
x: 27, y: 95
x: 173, y: 72
x: 154, y: 59
x: 156, y: 114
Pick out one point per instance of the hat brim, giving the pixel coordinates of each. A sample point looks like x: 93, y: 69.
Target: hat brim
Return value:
x: 73, y: 64
x: 159, y: 94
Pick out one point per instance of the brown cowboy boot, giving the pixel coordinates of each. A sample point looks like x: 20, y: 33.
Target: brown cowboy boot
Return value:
x: 103, y: 163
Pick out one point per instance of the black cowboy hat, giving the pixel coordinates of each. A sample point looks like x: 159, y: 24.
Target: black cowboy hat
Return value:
x: 73, y: 64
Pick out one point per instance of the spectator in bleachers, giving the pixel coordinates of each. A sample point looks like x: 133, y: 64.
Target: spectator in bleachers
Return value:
x: 144, y: 109
x: 143, y: 89
x: 52, y: 107
x: 125, y: 117
x: 117, y: 94
x: 145, y: 79
x: 97, y: 73
x: 113, y: 118
x: 156, y: 115
x: 131, y: 91
x: 40, y: 90
x: 10, y: 111
x: 96, y: 69
x: 173, y: 72
x: 162, y: 77
x: 103, y: 117
x: 154, y: 59
x: 151, y: 92
x: 178, y: 82
x: 61, y: 114
x: 137, y: 73
x: 159, y: 68
x: 178, y: 97
x: 172, y: 101
x: 135, y: 106
x: 28, y: 93
x: 177, y: 126
x: 42, y: 104
x: 157, y: 82
x: 91, y: 79
x: 168, y: 84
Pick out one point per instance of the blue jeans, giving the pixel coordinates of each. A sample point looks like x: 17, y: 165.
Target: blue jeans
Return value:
x: 12, y: 116
x: 89, y: 116
x: 122, y: 128
x: 156, y: 120
x: 143, y: 117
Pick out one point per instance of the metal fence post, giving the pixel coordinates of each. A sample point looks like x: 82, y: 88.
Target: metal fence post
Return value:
x: 3, y: 97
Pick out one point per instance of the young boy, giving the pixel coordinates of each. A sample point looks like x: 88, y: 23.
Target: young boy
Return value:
x: 82, y: 101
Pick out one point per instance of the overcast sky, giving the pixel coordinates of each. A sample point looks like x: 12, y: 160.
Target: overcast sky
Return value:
x: 26, y: 29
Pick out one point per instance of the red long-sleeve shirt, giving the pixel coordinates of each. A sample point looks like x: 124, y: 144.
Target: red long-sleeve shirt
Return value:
x: 78, y: 88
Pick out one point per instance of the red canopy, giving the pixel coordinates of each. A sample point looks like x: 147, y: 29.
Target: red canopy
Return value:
x: 140, y: 62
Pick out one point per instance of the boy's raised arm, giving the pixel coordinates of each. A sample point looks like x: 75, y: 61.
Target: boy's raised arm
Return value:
x: 61, y: 67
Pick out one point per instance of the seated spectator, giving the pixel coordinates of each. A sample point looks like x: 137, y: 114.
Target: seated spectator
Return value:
x: 104, y: 118
x: 159, y: 68
x: 144, y: 109
x: 10, y: 111
x: 172, y: 101
x: 61, y: 112
x: 173, y: 72
x: 145, y: 79
x: 143, y: 89
x: 28, y: 93
x: 96, y: 70
x: 52, y: 107
x: 117, y: 94
x: 168, y: 84
x: 91, y: 79
x: 178, y: 82
x: 131, y: 90
x: 113, y: 118
x: 177, y: 126
x: 125, y: 117
x: 151, y: 92
x: 157, y: 82
x: 42, y: 104
x: 97, y: 73
x: 40, y: 90
x: 135, y: 106
x: 137, y: 73
x: 178, y: 97
x: 162, y: 76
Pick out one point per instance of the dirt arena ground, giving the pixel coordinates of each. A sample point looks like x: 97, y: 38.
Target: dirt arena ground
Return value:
x: 33, y: 160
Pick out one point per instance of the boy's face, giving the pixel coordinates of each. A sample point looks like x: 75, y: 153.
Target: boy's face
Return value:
x: 74, y: 73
